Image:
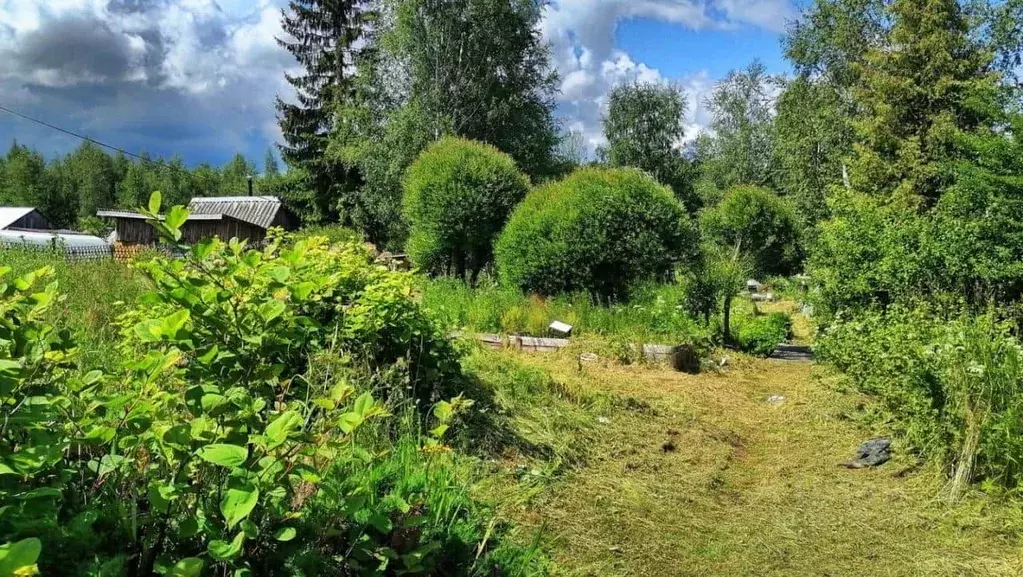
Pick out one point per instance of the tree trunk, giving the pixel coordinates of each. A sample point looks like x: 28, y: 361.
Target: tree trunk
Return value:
x: 728, y: 319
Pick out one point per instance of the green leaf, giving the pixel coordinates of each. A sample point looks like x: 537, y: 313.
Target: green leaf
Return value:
x: 170, y: 325
x: 20, y: 557
x: 155, y: 200
x: 348, y: 422
x: 187, y: 567
x: 239, y: 500
x: 364, y: 404
x: 224, y: 551
x: 301, y: 291
x: 272, y: 310
x: 285, y: 534
x: 277, y: 432
x: 149, y: 331
x: 223, y: 455
x: 280, y: 274
x: 176, y: 216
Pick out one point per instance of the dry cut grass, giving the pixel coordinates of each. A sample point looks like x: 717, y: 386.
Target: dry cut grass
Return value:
x: 700, y: 475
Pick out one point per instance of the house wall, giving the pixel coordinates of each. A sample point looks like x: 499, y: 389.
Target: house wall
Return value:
x: 136, y: 231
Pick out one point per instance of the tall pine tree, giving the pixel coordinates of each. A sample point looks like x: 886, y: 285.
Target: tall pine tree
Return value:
x: 321, y: 35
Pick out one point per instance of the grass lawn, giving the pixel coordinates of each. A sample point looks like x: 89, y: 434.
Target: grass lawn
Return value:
x: 699, y: 475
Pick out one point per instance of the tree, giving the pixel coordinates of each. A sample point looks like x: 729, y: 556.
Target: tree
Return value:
x: 743, y: 142
x: 644, y: 129
x: 812, y: 137
x: 322, y: 35
x: 458, y: 195
x: 756, y: 222
x: 270, y: 165
x: 93, y: 176
x: 916, y: 95
x: 235, y: 176
x: 479, y: 69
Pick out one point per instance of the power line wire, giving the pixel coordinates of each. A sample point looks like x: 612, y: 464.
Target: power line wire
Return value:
x: 150, y: 161
x: 76, y: 135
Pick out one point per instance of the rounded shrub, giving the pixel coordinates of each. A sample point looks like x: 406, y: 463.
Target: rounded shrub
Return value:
x: 457, y: 196
x: 759, y: 222
x: 598, y: 230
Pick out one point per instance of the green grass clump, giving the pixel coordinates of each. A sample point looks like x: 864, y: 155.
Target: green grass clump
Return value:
x: 761, y: 335
x: 656, y: 312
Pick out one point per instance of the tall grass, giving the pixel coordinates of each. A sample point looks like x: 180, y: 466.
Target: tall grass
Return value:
x: 654, y: 313
x: 92, y: 292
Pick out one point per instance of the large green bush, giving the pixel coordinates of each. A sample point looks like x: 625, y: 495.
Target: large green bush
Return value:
x: 948, y: 382
x: 253, y: 383
x: 599, y: 231
x: 458, y: 195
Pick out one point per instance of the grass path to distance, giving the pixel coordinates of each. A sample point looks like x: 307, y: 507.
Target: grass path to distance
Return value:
x: 699, y: 475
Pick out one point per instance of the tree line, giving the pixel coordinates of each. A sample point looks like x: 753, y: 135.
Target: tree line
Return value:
x: 69, y: 189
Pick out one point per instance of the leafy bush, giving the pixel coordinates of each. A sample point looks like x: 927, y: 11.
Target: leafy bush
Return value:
x: 761, y: 335
x: 759, y: 223
x: 458, y: 195
x: 949, y: 382
x: 247, y: 384
x: 599, y: 231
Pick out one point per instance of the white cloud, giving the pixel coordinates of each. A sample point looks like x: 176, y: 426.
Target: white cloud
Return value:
x: 183, y: 74
x: 200, y: 75
x: 582, y: 37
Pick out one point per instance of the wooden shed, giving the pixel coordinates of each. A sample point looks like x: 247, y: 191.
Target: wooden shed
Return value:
x: 131, y: 228
x: 22, y: 218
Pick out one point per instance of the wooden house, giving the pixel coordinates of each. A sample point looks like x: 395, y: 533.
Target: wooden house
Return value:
x: 244, y: 217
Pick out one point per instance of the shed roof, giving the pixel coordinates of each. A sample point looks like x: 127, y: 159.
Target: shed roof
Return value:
x: 257, y: 210
x: 12, y: 214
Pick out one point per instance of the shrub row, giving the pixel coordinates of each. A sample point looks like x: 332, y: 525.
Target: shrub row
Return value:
x: 599, y: 231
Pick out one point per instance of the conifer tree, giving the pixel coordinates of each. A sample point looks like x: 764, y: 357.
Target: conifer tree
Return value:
x: 321, y: 35
x: 917, y: 95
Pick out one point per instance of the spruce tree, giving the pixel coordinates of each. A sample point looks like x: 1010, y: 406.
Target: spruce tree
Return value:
x: 321, y: 35
x: 918, y: 94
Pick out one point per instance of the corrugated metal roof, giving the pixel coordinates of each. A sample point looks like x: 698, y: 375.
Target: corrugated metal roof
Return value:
x: 12, y: 214
x: 137, y: 216
x: 258, y: 210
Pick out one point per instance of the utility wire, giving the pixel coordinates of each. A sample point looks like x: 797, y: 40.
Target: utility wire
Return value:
x: 76, y: 135
x: 94, y: 141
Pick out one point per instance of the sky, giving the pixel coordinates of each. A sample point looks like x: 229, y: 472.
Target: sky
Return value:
x: 197, y: 78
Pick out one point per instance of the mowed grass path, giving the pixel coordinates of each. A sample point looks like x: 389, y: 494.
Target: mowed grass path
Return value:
x: 699, y: 475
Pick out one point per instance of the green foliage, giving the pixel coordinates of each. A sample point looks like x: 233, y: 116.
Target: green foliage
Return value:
x: 655, y: 313
x: 761, y: 335
x: 756, y: 222
x: 812, y: 136
x: 599, y: 231
x: 480, y: 70
x: 251, y: 381
x: 916, y: 99
x: 643, y: 126
x: 741, y: 151
x: 458, y: 195
x: 950, y: 383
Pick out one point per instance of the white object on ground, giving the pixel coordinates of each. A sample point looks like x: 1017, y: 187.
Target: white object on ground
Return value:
x: 561, y: 329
